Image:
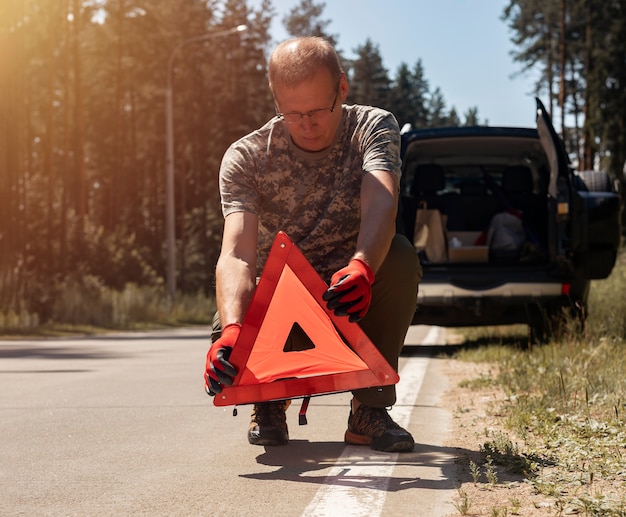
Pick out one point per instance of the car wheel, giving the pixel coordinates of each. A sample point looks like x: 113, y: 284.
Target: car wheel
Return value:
x: 542, y: 324
x: 554, y: 323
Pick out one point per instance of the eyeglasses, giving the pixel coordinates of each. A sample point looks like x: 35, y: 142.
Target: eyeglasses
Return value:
x: 295, y: 117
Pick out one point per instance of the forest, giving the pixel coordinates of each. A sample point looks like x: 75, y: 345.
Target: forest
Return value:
x: 83, y: 186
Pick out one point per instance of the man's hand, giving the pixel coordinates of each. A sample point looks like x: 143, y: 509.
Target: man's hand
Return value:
x: 350, y: 291
x: 219, y: 372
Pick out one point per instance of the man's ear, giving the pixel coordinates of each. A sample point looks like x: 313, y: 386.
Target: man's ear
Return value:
x: 344, y: 87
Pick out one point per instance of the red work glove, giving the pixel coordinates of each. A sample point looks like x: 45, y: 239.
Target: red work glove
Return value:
x: 350, y: 291
x: 219, y: 372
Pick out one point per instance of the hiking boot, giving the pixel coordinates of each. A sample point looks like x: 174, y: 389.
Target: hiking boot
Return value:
x: 268, y: 425
x: 374, y: 427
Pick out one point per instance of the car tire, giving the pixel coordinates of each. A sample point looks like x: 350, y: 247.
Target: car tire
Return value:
x: 553, y: 323
x: 543, y: 325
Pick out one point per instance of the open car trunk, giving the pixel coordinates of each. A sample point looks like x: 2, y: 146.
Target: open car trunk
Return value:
x: 503, y: 225
x: 492, y: 194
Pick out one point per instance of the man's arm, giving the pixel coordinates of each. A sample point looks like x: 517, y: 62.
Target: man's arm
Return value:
x: 235, y: 282
x: 236, y: 267
x: 350, y: 292
x: 379, y: 205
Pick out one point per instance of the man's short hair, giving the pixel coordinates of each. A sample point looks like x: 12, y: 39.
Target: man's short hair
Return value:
x: 297, y: 60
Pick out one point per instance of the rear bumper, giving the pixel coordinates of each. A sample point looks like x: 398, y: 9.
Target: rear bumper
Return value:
x: 449, y: 306
x: 448, y: 294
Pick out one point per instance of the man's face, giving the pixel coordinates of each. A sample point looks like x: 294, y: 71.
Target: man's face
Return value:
x: 307, y: 110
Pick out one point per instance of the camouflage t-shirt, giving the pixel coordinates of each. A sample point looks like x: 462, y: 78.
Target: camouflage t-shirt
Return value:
x: 313, y: 197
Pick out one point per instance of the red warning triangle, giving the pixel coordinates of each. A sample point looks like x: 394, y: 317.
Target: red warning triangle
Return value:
x: 291, y: 345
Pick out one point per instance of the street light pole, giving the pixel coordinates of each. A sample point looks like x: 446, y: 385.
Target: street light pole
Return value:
x: 170, y: 213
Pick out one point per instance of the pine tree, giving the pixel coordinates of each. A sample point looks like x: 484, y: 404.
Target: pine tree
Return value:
x: 369, y: 82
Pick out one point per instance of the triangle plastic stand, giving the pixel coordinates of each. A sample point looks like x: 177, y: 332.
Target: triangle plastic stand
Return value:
x: 292, y: 346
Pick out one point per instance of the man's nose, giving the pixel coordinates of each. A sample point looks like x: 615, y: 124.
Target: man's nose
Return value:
x: 306, y: 121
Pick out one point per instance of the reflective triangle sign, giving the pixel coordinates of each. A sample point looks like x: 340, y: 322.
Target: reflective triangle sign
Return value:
x: 291, y: 345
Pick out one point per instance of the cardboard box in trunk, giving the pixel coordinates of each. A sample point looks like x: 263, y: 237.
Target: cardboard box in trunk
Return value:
x: 462, y: 247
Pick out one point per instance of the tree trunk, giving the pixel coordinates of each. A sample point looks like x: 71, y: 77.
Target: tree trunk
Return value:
x: 67, y: 181
x: 48, y: 163
x: 562, y: 58
x: 79, y: 129
x: 588, y: 145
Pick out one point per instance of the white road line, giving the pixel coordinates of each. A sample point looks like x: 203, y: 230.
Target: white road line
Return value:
x: 373, y: 468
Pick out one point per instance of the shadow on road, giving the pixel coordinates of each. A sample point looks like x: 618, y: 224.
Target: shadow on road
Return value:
x: 443, y: 349
x: 410, y: 350
x: 301, y: 460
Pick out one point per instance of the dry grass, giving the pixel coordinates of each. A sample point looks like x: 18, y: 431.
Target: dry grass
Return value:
x: 87, y: 307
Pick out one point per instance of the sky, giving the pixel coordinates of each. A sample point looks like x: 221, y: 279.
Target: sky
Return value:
x: 463, y: 45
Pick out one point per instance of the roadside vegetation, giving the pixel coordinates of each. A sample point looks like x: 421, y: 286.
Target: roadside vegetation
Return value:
x: 88, y: 307
x: 560, y: 416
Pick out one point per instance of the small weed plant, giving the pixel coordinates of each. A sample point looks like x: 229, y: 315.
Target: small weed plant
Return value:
x: 462, y: 503
x: 475, y: 471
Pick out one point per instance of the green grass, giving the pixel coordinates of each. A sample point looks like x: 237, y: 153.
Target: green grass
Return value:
x: 566, y: 402
x: 89, y: 308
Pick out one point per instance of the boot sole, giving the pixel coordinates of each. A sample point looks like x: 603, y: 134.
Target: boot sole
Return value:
x: 380, y: 445
x: 267, y: 440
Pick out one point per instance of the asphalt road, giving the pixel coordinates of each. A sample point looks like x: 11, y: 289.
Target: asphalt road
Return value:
x: 120, y: 425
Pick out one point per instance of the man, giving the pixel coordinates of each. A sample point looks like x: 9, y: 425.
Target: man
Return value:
x: 327, y: 174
